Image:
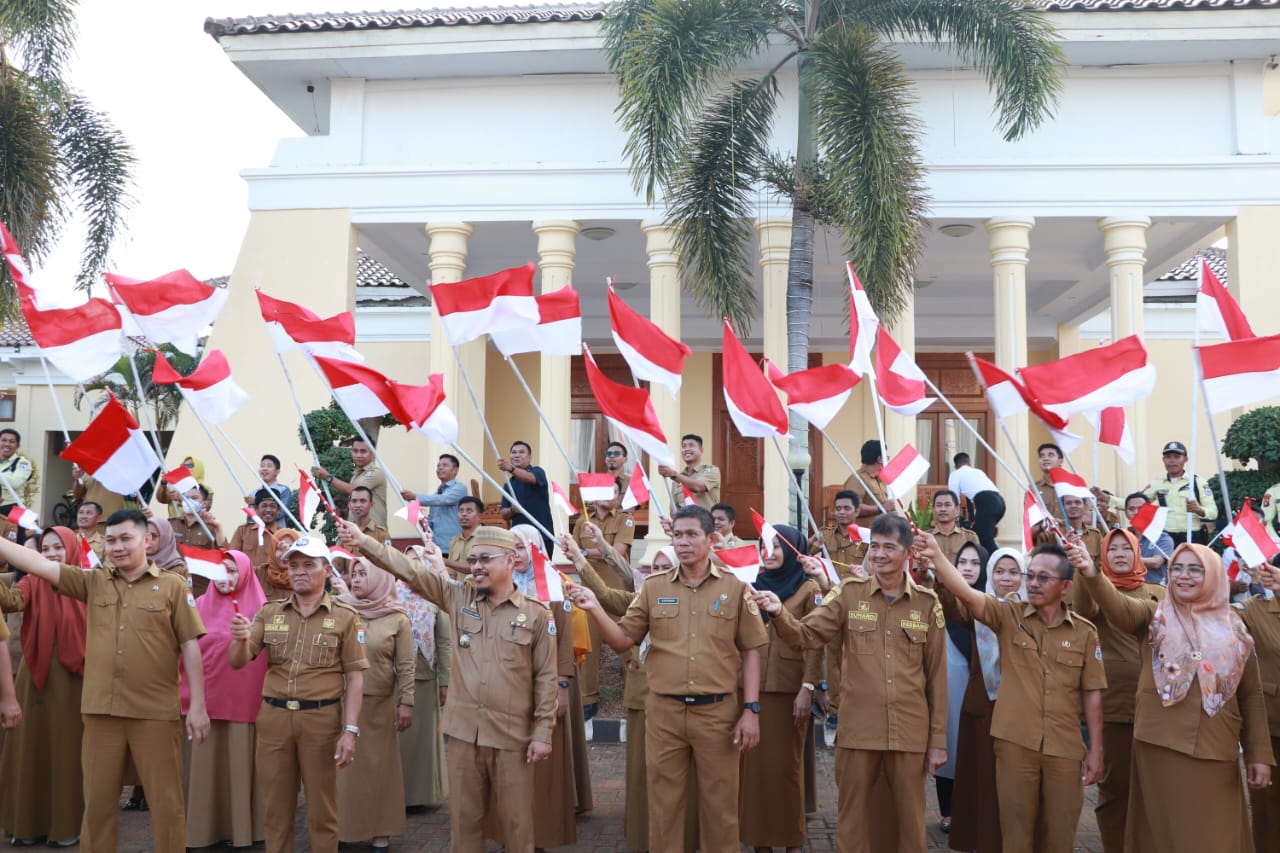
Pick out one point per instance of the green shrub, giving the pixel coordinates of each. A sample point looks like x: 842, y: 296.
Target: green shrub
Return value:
x: 1255, y: 436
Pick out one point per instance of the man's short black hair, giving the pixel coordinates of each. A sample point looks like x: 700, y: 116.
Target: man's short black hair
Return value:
x: 267, y: 495
x: 871, y: 452
x: 204, y: 491
x: 523, y: 444
x: 96, y: 506
x: 703, y: 516
x: 472, y: 499
x: 619, y: 445
x: 1139, y: 495
x: 365, y: 489
x: 728, y: 510
x: 128, y: 516
x: 946, y: 493
x: 896, y: 526
x: 961, y: 459
x: 451, y: 458
x: 272, y: 458
x: 691, y: 435
x: 17, y: 436
x: 847, y: 494
x: 1066, y: 571
x: 1049, y: 445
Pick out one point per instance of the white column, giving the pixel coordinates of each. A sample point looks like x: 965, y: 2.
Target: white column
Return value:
x: 1125, y: 242
x: 775, y: 258
x: 556, y: 252
x: 664, y: 310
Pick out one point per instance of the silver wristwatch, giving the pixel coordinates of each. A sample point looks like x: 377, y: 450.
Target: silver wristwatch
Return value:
x: 355, y: 730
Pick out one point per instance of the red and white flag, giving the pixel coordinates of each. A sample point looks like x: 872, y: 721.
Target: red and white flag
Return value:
x: 863, y: 326
x: 486, y: 304
x: 1217, y: 310
x: 205, y: 563
x: 422, y: 407
x: 209, y: 390
x: 24, y: 518
x: 751, y: 400
x: 1066, y: 484
x: 114, y: 450
x: 1240, y: 373
x: 1113, y: 430
x: 857, y: 533
x: 308, y: 499
x: 1113, y: 375
x: 744, y: 562
x: 560, y: 498
x: 689, y: 499
x: 637, y: 492
x: 651, y: 353
x: 547, y: 581
x: 172, y: 309
x: 596, y: 487
x: 294, y: 326
x: 1250, y: 538
x: 28, y: 290
x: 1009, y: 397
x: 257, y: 522
x: 88, y: 557
x: 767, y: 533
x: 630, y: 411
x: 1149, y: 521
x: 899, y: 382
x: 181, y: 479
x: 904, y: 471
x: 557, y: 332
x: 816, y: 394
x: 361, y: 391
x: 82, y: 342
x: 410, y: 512
x: 1032, y: 515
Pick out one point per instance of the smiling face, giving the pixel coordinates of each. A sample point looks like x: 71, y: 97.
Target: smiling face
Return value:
x: 491, y: 567
x: 944, y: 510
x: 887, y: 558
x: 87, y: 516
x: 268, y: 511
x: 520, y: 456
x: 1186, y: 577
x: 8, y: 445
x: 267, y: 470
x: 1006, y: 577
x: 1049, y: 459
x: 1120, y: 557
x: 777, y: 559
x: 52, y: 547
x: 127, y: 545
x: 445, y: 469
x: 690, y: 451
x: 1074, y: 507
x: 523, y: 556
x: 723, y: 525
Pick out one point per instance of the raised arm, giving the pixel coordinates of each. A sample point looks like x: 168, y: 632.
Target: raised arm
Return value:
x: 614, y: 601
x: 975, y: 601
x: 429, y: 584
x: 1131, y: 615
x: 609, y: 630
x: 31, y: 562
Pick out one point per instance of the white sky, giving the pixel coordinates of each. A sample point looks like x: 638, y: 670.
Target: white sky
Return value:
x: 194, y: 122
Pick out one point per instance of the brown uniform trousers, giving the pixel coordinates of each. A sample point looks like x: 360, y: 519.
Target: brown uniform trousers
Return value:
x: 616, y: 527
x: 1036, y: 725
x: 697, y: 635
x: 895, y: 659
x: 846, y: 555
x: 308, y: 660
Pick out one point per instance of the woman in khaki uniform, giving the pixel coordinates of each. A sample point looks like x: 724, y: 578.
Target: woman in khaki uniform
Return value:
x: 1262, y: 617
x: 422, y: 744
x: 371, y: 791
x: 771, y: 808
x: 1122, y: 659
x: 1196, y: 707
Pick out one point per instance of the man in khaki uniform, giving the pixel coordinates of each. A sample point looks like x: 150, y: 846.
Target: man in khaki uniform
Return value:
x: 469, y: 511
x: 368, y: 474
x: 245, y: 537
x: 1051, y: 669
x: 1077, y: 516
x: 702, y: 481
x: 847, y: 556
x: 360, y: 512
x: 140, y: 622
x: 502, y: 694
x: 951, y: 537
x: 703, y: 627
x: 894, y: 639
x: 617, y: 463
x: 724, y: 516
x: 1049, y: 456
x: 187, y: 531
x: 85, y: 488
x: 88, y: 514
x: 872, y: 462
x: 315, y: 648
x: 1189, y: 500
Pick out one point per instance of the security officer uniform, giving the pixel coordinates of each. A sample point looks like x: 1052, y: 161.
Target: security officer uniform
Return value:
x: 709, y: 476
x: 875, y: 487
x: 951, y: 543
x: 895, y: 661
x: 300, y: 720
x: 502, y: 696
x: 1270, y: 502
x: 1173, y: 493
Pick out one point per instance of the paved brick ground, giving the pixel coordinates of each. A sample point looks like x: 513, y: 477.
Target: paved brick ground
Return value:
x: 601, y: 831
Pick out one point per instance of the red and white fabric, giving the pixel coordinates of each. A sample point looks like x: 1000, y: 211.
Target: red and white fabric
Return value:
x: 308, y: 498
x: 863, y: 326
x: 498, y: 302
x: 1250, y: 538
x: 294, y: 326
x: 744, y: 562
x: 560, y: 498
x: 547, y: 580
x: 1149, y: 521
x: 205, y: 562
x: 1032, y: 515
x: 1240, y: 373
x: 752, y: 403
x: 1117, y: 374
x: 904, y: 471
x: 766, y: 531
x: 596, y: 487
x: 629, y: 410
x: 361, y: 391
x: 175, y: 308
x: 557, y: 332
x: 1217, y: 310
x: 899, y: 382
x: 1009, y: 397
x: 857, y: 533
x: 83, y: 341
x: 652, y: 354
x: 209, y: 389
x: 816, y: 394
x: 423, y: 408
x: 1066, y: 484
x: 637, y: 492
x: 114, y: 450
x: 181, y: 480
x: 687, y: 496
x: 410, y: 512
x: 25, y: 518
x: 256, y: 521
x: 1112, y: 428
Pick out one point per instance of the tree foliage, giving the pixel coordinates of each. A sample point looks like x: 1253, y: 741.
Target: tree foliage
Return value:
x: 1255, y: 436
x: 164, y: 401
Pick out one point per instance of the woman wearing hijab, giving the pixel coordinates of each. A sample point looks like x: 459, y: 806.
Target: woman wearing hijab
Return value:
x: 426, y: 784
x: 1199, y: 701
x: 163, y: 550
x: 771, y: 793
x: 1261, y: 616
x: 40, y: 765
x: 971, y: 561
x: 224, y: 803
x: 371, y: 791
x: 274, y: 575
x: 1122, y: 659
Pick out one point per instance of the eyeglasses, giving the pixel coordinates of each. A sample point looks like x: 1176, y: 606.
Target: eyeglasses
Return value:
x: 613, y: 453
x: 1189, y: 571
x: 482, y: 559
x: 1042, y: 578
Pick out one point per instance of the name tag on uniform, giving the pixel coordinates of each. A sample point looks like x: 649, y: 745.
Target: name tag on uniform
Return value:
x: 270, y: 628
x: 863, y: 615
x: 668, y: 601
x: 467, y: 611
x: 912, y: 625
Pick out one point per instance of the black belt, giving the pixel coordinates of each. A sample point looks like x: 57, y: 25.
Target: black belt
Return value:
x: 704, y: 699
x: 299, y: 704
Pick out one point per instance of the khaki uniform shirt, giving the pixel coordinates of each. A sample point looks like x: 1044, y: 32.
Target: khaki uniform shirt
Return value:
x: 459, y: 550
x: 503, y: 689
x: 1262, y: 617
x: 617, y: 527
x: 845, y: 553
x: 615, y: 602
x: 697, y: 632
x: 245, y: 539
x: 733, y: 540
x: 876, y: 487
x: 374, y: 479
x: 1270, y: 502
x: 895, y: 663
x: 191, y: 534
x: 951, y: 543
x: 99, y: 494
x: 1050, y: 497
x: 308, y: 655
x: 708, y: 475
x: 1173, y: 494
x: 374, y: 530
x: 783, y: 667
x: 1091, y: 537
x: 392, y: 656
x: 1044, y: 672
x: 1121, y: 651
x: 134, y: 633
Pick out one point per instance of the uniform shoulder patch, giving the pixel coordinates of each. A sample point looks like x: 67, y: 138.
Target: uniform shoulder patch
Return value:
x: 752, y: 607
x: 831, y: 595
x: 551, y: 627
x: 938, y: 618
x: 1097, y: 651
x: 629, y: 523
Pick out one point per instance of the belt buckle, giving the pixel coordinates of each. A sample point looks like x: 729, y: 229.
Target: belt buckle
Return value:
x: 293, y: 705
x: 689, y: 700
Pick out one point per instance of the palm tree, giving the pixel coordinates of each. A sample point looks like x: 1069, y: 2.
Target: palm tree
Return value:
x: 59, y: 156
x: 698, y: 129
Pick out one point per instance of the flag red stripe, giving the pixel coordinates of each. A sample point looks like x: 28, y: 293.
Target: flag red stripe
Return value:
x: 476, y: 294
x: 645, y: 336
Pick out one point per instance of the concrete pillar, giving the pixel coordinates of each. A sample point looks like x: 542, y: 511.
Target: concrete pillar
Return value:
x: 664, y: 310
x: 775, y: 258
x: 556, y: 253
x: 1125, y: 242
x: 1009, y: 241
x: 1253, y: 256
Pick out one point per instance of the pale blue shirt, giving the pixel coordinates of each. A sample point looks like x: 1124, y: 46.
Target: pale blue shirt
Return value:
x: 443, y: 518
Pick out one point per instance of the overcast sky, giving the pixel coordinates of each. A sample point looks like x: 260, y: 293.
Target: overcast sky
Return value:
x: 194, y: 122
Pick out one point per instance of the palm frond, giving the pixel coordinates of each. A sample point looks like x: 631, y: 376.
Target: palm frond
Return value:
x: 862, y: 102
x: 99, y: 164
x: 710, y: 198
x: 41, y: 32
x: 668, y: 55
x: 1012, y: 41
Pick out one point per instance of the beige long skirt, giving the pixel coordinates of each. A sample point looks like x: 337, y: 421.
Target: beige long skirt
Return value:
x: 422, y: 749
x: 1178, y: 803
x: 371, y: 788
x: 771, y: 792
x: 224, y: 802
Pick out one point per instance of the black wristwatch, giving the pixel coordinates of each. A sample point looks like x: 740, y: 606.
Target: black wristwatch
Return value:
x: 753, y: 707
x: 823, y: 686
x: 564, y: 682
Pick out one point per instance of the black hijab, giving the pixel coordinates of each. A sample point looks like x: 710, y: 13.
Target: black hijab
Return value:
x: 959, y: 631
x: 789, y: 577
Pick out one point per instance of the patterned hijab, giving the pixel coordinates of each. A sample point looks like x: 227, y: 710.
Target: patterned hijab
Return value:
x: 422, y: 613
x: 1204, y: 638
x: 988, y: 642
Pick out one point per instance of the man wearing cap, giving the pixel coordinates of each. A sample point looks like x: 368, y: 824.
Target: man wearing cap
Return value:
x: 246, y: 538
x: 502, y: 697
x: 1190, y: 502
x: 308, y: 723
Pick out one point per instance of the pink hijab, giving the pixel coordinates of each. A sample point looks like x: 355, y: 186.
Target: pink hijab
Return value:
x: 230, y: 694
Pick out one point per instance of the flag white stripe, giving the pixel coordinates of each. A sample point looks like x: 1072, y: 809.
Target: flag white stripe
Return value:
x: 595, y: 493
x: 1241, y: 389
x: 441, y: 426
x: 129, y: 466
x: 217, y: 402
x: 88, y: 357
x: 1006, y: 400
x: 503, y: 313
x: 646, y: 442
x: 563, y: 337
x: 747, y: 425
x: 359, y: 401
x: 820, y: 413
x: 1127, y: 388
x: 906, y: 481
x: 646, y: 370
x: 180, y: 325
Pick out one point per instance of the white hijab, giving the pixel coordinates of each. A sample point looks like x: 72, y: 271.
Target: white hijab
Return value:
x: 988, y: 643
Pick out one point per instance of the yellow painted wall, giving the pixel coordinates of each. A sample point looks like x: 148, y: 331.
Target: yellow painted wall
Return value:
x: 695, y: 406
x: 36, y: 419
x: 510, y: 414
x: 849, y: 429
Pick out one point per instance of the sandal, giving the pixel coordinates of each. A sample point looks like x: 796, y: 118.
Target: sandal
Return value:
x: 135, y: 803
x: 945, y: 826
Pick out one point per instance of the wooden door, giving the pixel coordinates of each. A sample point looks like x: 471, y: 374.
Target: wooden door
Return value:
x: 939, y: 433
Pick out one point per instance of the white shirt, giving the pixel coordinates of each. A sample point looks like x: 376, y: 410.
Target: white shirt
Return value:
x: 968, y: 481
